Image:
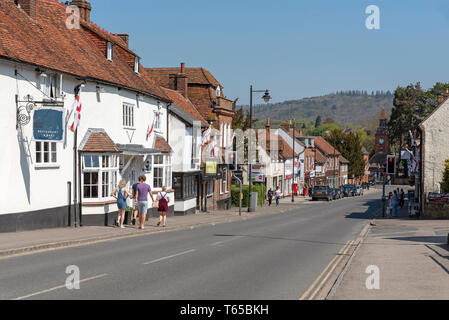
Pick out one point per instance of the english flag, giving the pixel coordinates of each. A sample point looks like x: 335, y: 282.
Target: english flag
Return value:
x: 76, y: 107
x: 214, y: 149
x: 414, y: 143
x: 206, y: 135
x: 151, y: 130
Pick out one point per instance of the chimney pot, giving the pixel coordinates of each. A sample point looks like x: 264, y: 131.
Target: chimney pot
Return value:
x: 85, y: 8
x: 183, y: 67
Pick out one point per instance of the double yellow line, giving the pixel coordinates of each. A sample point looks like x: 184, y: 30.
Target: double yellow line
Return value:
x: 324, y: 276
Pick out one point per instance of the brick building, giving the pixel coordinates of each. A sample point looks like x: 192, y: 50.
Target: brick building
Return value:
x: 206, y: 94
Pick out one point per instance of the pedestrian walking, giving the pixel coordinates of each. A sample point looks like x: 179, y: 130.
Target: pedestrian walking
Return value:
x: 278, y: 195
x: 395, y: 203
x: 402, y: 198
x: 142, y: 192
x: 135, y: 203
x: 390, y: 205
x: 121, y: 194
x: 270, y: 196
x: 163, y: 199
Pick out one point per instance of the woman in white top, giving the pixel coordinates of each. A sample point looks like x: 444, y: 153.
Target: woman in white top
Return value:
x: 278, y: 195
x: 163, y: 199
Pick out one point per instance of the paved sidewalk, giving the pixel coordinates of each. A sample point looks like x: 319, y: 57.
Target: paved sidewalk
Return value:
x: 32, y: 241
x: 412, y: 257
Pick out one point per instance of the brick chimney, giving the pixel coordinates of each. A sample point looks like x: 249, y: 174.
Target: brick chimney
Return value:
x: 180, y: 81
x: 84, y: 7
x: 125, y: 38
x: 29, y: 6
x: 268, y: 135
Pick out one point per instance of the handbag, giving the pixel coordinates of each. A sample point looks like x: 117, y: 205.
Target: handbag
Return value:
x: 156, y: 204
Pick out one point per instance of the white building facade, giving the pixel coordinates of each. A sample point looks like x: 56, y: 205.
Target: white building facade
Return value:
x: 56, y: 177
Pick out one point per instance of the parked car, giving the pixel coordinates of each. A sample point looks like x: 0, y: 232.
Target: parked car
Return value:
x: 322, y: 192
x: 358, y: 191
x: 349, y: 190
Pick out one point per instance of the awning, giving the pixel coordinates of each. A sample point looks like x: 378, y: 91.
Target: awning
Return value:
x: 136, y: 150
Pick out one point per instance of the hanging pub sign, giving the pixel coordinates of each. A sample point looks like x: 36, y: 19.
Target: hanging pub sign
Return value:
x: 211, y: 168
x: 48, y: 125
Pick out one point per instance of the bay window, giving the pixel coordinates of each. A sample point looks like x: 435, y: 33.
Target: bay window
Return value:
x: 100, y: 174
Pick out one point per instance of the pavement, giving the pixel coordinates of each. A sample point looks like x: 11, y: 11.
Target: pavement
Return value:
x: 275, y: 254
x: 45, y: 239
x: 410, y: 258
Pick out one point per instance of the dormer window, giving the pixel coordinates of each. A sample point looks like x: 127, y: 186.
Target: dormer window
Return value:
x: 109, y: 51
x: 136, y: 65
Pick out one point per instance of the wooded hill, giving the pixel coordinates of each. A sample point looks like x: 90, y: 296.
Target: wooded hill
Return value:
x: 345, y: 107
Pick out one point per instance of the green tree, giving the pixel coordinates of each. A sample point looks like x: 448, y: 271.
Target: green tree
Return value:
x: 319, y: 131
x: 411, y: 105
x: 318, y: 121
x: 445, y: 183
x: 238, y: 120
x: 350, y: 149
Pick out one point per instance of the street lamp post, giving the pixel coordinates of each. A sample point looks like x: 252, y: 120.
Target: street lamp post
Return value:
x: 293, y: 165
x: 266, y: 98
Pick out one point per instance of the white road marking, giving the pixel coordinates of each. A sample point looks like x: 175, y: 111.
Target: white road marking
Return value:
x: 169, y: 257
x: 59, y: 287
x: 222, y: 242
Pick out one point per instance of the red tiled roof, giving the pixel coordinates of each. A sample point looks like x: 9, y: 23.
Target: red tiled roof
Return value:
x: 195, y: 75
x: 99, y: 142
x: 343, y: 159
x: 185, y: 104
x: 325, y: 147
x: 48, y: 43
x: 287, y: 151
x: 383, y: 115
x: 162, y: 145
x: 319, y: 157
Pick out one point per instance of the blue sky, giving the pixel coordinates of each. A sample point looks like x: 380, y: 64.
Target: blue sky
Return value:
x: 295, y: 48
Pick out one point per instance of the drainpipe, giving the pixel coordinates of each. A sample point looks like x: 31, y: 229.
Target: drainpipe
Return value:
x: 168, y: 112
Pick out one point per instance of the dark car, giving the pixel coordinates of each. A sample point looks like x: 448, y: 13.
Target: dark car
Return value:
x: 349, y: 190
x: 322, y: 192
x: 336, y: 193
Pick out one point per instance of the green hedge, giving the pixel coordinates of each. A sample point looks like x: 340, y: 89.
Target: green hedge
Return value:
x: 235, y: 193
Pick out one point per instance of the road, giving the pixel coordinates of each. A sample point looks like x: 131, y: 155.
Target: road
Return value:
x: 267, y: 257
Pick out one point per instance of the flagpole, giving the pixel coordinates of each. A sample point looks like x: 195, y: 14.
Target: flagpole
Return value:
x: 75, y: 180
x: 76, y: 187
